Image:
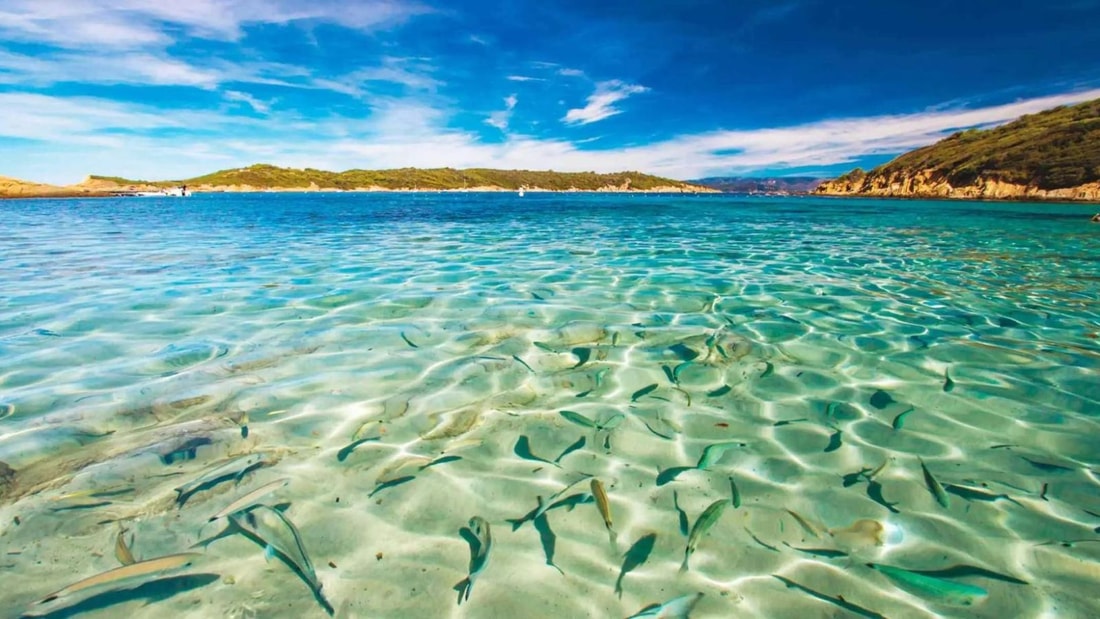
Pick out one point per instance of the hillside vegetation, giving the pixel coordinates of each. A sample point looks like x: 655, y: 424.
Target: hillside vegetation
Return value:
x: 1053, y: 150
x: 267, y: 176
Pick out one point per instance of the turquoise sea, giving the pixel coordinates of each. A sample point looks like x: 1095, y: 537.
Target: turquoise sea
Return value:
x: 890, y: 408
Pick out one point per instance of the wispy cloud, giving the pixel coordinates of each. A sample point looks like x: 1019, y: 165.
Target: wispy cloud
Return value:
x: 257, y: 105
x: 524, y: 78
x: 501, y: 118
x: 601, y: 104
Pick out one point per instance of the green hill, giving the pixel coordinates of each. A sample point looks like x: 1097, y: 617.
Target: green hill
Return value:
x: 264, y: 176
x: 1051, y: 152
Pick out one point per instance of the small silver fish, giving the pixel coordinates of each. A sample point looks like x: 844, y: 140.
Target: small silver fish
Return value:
x: 676, y: 608
x: 126, y: 574
x: 250, y: 498
x: 706, y: 520
x: 479, y: 556
x: 277, y: 534
x: 234, y: 469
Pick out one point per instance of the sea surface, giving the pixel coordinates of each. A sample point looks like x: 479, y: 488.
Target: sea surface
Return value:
x: 886, y: 408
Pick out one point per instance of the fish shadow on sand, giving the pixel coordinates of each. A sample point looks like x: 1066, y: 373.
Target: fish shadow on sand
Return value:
x: 152, y: 591
x: 475, y: 547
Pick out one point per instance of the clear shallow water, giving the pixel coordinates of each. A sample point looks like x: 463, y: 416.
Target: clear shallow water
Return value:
x: 360, y: 337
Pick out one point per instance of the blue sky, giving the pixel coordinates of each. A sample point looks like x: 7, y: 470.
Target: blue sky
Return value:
x: 686, y: 88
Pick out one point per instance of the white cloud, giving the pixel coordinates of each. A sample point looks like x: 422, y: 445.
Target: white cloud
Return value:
x: 257, y: 105
x: 126, y: 139
x: 525, y: 78
x: 501, y: 118
x: 600, y: 104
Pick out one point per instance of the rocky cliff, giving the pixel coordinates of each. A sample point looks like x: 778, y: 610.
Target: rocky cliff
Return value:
x: 1053, y: 155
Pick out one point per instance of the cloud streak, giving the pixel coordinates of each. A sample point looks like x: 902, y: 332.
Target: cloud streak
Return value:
x: 601, y: 104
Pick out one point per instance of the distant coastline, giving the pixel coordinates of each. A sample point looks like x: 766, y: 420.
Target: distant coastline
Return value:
x: 267, y: 178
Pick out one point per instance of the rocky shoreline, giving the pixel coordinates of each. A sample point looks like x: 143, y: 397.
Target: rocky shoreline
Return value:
x: 931, y: 185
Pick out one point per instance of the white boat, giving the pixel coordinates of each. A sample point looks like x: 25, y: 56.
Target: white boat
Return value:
x: 521, y: 192
x: 169, y: 192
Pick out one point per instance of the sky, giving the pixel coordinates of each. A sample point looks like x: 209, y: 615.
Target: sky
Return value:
x: 171, y: 89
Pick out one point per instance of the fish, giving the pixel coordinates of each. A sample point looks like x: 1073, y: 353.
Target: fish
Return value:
x: 899, y: 421
x: 548, y: 540
x: 834, y: 442
x: 682, y: 514
x: 874, y: 491
x: 656, y: 433
x: 568, y: 502
x: 122, y: 549
x: 683, y: 352
x: 545, y: 505
x: 721, y: 391
x: 250, y: 498
x: 480, y: 539
x: 582, y: 354
x: 669, y: 475
x: 931, y: 587
x: 836, y: 601
x: 644, y: 391
x: 676, y: 608
x: 523, y: 450
x: 703, y: 524
x: 440, y: 460
x: 408, y: 341
x: 604, y: 505
x: 759, y: 541
x: 768, y: 369
x: 234, y: 469
x: 976, y: 494
x: 578, y: 419
x: 545, y: 346
x: 271, y: 529
x: 948, y: 384
x: 962, y: 571
x: 713, y: 453
x: 934, y: 486
x: 390, y: 483
x: 880, y: 399
x: 637, y: 555
x: 805, y: 524
x: 1047, y: 466
x: 735, y: 494
x: 578, y: 444
x: 676, y: 371
x: 784, y: 422
x: 244, y: 425
x: 523, y: 363
x: 827, y: 553
x: 140, y: 570
x: 668, y: 374
x: 186, y: 450
x: 347, y: 449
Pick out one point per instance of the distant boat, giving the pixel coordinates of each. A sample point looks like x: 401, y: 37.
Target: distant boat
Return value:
x: 521, y: 192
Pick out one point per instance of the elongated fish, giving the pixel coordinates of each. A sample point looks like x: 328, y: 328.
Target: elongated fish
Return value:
x: 676, y: 608
x: 836, y: 601
x: 234, y: 469
x: 122, y: 549
x: 271, y: 529
x: 703, y: 524
x: 805, y: 524
x: 636, y: 556
x: 545, y: 505
x: 605, y: 511
x: 480, y: 539
x: 934, y: 486
x: 140, y: 570
x: 713, y: 453
x: 930, y: 587
x: 250, y: 498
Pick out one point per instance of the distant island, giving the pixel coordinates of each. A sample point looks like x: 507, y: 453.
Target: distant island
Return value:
x: 262, y: 177
x: 1052, y: 155
x: 780, y: 186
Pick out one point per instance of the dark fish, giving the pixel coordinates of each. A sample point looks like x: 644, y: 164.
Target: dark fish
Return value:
x: 785, y: 422
x: 948, y: 384
x: 656, y: 433
x: 545, y: 346
x: 758, y: 541
x: 874, y: 491
x: 852, y: 479
x: 441, y: 460
x: 346, y: 451
x: 683, y: 352
x: 880, y: 399
x: 735, y: 494
x: 683, y: 515
x: 407, y: 341
x: 668, y: 374
x: 721, y: 391
x: 523, y: 450
x: 962, y: 571
x: 523, y: 363
x: 234, y: 469
x: 834, y: 442
x: 934, y: 486
x: 79, y: 506
x: 568, y: 502
x: 768, y: 369
x: 827, y: 553
x: 185, y: 451
x: 836, y: 601
x: 1047, y: 467
x: 671, y: 474
x: 577, y: 418
x: 635, y: 557
x: 390, y: 484
x: 931, y: 587
x: 644, y: 391
x: 548, y: 540
x: 1043, y: 491
x: 570, y: 449
x: 676, y: 371
x: 899, y: 421
x: 582, y: 354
